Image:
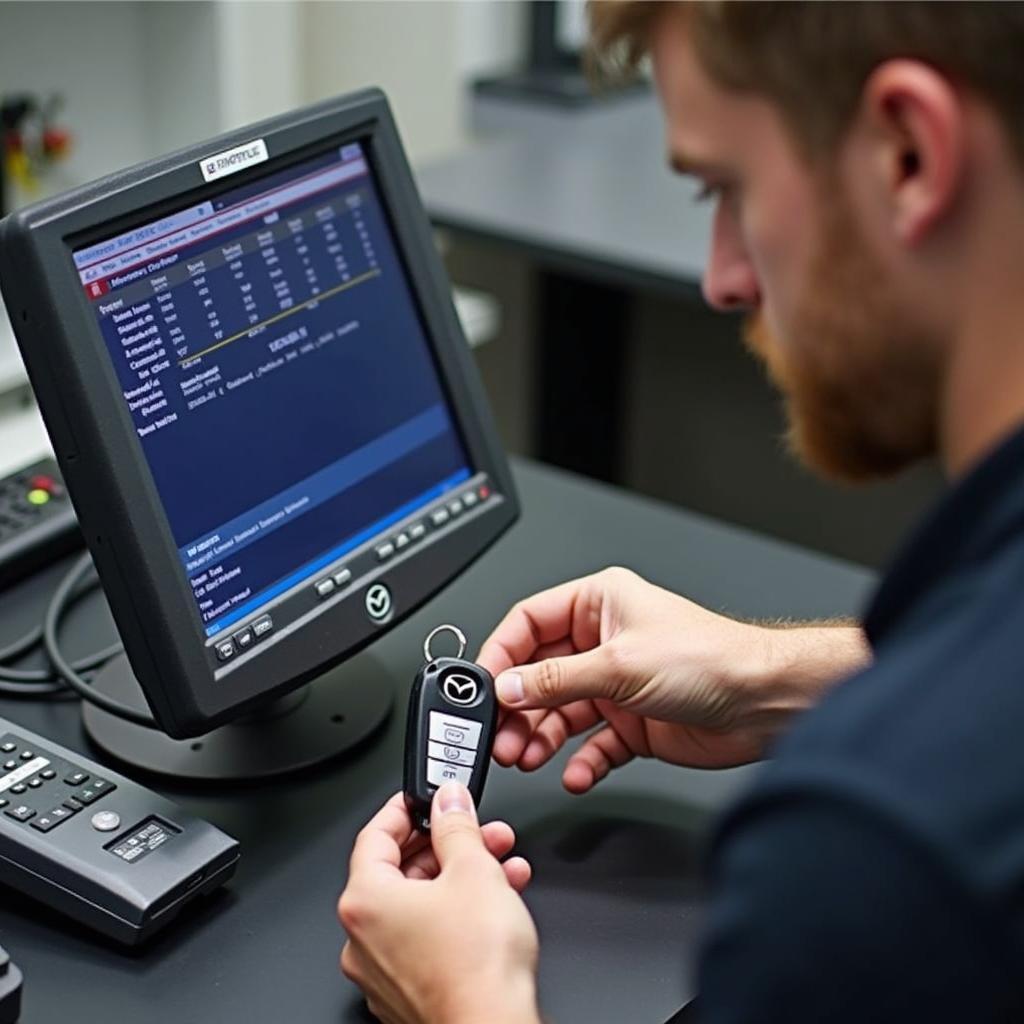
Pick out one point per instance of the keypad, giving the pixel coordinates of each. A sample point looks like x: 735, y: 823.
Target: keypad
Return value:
x: 42, y: 791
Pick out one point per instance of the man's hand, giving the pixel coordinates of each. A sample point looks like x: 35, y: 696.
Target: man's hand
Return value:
x: 653, y: 674
x: 436, y: 929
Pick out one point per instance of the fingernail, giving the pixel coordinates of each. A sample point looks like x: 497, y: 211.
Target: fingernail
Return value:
x: 453, y: 796
x: 510, y: 687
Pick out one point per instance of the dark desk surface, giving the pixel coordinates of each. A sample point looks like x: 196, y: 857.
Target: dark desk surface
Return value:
x: 586, y: 191
x: 616, y: 872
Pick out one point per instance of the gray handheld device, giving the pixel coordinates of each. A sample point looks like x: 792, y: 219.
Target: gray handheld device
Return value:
x: 95, y: 845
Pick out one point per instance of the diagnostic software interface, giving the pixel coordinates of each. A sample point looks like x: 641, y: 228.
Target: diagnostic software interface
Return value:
x: 276, y: 369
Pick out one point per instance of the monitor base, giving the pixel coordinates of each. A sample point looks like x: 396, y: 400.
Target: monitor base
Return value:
x: 332, y: 714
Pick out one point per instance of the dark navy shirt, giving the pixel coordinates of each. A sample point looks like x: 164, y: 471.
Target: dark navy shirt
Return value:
x: 876, y: 870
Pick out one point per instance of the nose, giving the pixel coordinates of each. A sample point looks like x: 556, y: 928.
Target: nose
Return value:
x: 730, y: 283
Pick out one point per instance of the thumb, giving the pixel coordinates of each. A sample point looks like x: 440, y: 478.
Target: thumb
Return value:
x: 557, y: 681
x: 454, y: 829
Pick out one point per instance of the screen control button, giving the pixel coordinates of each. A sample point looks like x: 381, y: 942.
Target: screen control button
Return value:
x: 402, y: 541
x: 51, y: 819
x: 35, y: 783
x: 27, y: 755
x: 96, y: 788
x: 440, y: 772
x: 226, y: 649
x: 325, y: 587
x: 455, y: 507
x: 262, y: 626
x: 452, y: 754
x: 47, y: 773
x: 450, y: 729
x: 8, y: 747
x: 9, y: 766
x: 244, y: 639
x: 417, y: 530
x: 3, y: 802
x: 106, y: 821
x: 385, y: 551
x: 378, y: 602
x: 439, y: 516
x: 469, y: 499
x: 341, y: 577
x: 18, y: 788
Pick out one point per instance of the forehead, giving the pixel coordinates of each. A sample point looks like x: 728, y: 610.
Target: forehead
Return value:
x: 705, y: 124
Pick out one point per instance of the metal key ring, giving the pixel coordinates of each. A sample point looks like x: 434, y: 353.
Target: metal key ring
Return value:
x: 454, y: 630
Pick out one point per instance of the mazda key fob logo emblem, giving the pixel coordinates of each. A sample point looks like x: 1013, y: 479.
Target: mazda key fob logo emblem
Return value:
x: 459, y: 689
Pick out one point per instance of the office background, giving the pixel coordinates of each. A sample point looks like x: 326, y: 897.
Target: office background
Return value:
x: 696, y: 423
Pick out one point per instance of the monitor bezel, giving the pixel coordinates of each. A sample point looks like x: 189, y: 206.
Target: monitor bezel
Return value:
x: 101, y: 455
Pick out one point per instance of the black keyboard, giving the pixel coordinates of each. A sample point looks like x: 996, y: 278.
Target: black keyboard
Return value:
x: 37, y: 522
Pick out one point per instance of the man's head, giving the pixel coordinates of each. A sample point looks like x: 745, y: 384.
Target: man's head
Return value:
x: 852, y: 150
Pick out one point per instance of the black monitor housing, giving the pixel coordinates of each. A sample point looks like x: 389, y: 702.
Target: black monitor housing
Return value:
x: 267, y: 416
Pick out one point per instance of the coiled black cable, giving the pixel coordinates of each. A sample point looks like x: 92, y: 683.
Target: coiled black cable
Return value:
x: 44, y: 682
x: 63, y: 599
x: 63, y: 679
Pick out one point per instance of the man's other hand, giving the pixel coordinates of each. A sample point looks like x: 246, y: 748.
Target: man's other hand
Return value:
x: 650, y: 674
x: 436, y: 928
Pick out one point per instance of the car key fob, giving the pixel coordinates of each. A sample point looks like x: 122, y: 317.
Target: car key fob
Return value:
x: 450, y: 729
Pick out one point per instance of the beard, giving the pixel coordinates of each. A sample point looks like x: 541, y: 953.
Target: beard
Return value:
x: 860, y: 380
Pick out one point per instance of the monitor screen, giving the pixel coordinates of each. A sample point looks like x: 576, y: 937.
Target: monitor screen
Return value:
x: 275, y: 366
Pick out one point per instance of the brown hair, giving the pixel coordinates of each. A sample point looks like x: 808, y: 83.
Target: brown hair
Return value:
x: 812, y: 58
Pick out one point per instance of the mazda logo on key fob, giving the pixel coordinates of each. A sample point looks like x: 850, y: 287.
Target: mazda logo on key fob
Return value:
x: 459, y: 689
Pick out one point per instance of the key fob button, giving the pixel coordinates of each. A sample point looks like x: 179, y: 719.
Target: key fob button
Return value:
x: 460, y: 732
x: 440, y: 772
x: 454, y: 755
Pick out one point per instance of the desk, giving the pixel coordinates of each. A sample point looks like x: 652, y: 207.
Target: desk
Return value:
x: 589, y: 196
x: 616, y: 888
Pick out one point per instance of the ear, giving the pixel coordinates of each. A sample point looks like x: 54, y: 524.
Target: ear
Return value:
x: 916, y: 121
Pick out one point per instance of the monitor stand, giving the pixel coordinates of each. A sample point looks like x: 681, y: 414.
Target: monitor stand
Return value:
x: 313, y: 724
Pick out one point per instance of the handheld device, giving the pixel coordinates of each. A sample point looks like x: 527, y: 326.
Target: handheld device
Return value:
x: 449, y: 732
x: 97, y: 846
x: 37, y: 522
x: 268, y: 420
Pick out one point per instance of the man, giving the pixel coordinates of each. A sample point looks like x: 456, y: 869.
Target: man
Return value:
x: 867, y: 166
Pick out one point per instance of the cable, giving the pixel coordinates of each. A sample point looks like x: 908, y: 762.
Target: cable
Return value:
x: 43, y: 682
x: 22, y: 646
x: 67, y: 593
x: 43, y: 675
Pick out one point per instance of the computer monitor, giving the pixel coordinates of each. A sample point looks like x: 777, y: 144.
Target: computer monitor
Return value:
x: 260, y: 396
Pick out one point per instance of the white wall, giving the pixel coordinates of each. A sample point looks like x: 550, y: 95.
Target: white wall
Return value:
x: 95, y: 54
x: 419, y: 51
x: 142, y: 78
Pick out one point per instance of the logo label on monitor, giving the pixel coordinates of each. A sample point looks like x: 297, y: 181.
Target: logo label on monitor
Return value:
x: 220, y: 165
